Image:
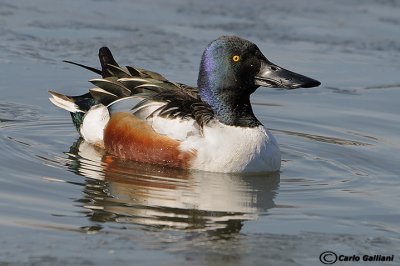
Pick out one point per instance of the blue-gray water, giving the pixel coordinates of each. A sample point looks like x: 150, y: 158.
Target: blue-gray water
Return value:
x: 63, y: 203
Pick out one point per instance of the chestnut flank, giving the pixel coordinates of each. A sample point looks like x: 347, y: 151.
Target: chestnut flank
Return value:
x: 130, y: 138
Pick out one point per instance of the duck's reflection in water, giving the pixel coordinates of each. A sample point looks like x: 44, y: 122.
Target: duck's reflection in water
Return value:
x: 129, y: 192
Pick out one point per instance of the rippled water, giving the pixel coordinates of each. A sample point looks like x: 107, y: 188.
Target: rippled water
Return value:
x: 64, y: 202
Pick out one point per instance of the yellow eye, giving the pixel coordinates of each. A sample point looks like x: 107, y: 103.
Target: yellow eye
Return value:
x: 236, y: 58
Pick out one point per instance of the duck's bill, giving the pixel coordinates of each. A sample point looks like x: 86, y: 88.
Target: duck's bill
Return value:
x: 271, y: 75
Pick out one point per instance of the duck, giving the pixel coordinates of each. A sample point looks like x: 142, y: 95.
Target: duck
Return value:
x: 137, y: 114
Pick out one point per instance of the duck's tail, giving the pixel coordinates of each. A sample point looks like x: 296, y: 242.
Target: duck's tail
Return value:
x: 88, y: 116
x: 78, y: 106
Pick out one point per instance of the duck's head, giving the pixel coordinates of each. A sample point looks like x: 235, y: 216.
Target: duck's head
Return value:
x: 232, y: 68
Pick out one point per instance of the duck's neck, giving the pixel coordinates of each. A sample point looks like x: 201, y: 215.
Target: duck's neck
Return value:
x: 230, y: 109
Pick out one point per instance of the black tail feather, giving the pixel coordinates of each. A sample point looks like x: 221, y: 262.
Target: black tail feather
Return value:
x: 106, y: 59
x: 95, y: 70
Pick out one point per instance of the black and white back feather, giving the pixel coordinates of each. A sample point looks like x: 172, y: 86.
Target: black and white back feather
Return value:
x: 176, y: 100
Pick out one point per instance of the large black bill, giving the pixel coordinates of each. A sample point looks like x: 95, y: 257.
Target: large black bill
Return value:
x: 271, y: 75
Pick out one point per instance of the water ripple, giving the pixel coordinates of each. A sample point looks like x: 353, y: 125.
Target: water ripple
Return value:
x: 326, y: 139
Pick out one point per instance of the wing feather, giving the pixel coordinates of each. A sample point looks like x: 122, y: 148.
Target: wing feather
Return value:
x: 145, y: 93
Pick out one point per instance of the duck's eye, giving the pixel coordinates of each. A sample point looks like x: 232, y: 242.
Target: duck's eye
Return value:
x: 236, y: 58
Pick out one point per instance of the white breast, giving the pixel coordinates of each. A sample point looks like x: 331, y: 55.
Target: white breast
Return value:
x: 225, y: 148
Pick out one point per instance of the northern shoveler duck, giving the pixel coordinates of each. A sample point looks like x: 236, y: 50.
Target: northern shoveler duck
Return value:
x: 139, y: 115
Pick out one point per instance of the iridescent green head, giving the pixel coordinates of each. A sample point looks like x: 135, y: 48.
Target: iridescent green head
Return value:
x: 231, y: 69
